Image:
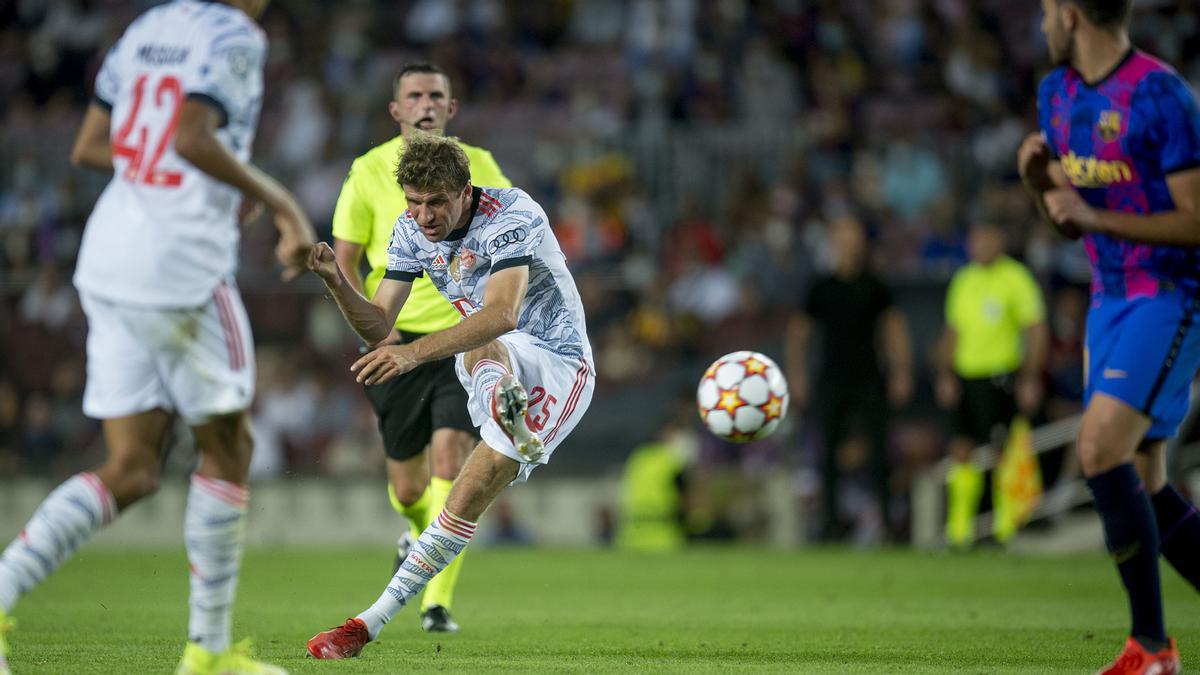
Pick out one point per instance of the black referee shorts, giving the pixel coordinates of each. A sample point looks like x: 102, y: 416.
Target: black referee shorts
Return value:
x: 986, y: 409
x: 412, y: 406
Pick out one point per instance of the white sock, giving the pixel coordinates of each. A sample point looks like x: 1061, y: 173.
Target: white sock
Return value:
x: 212, y: 531
x: 434, y: 550
x: 65, y: 520
x: 484, y: 376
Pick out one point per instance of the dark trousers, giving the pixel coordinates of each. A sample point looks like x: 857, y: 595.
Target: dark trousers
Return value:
x: 848, y: 409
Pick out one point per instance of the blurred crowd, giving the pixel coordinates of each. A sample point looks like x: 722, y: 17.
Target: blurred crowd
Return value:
x: 691, y: 154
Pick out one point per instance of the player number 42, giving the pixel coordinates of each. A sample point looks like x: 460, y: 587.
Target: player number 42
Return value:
x: 168, y: 93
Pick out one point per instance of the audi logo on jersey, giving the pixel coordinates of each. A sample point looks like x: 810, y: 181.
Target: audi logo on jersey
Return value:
x: 513, y: 236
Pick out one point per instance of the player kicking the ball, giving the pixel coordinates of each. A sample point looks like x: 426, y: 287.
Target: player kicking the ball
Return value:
x: 522, y: 349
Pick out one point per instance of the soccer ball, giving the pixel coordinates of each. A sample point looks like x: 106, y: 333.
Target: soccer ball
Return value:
x: 743, y: 397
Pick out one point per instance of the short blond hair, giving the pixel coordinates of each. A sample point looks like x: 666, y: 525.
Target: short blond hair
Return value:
x: 432, y: 163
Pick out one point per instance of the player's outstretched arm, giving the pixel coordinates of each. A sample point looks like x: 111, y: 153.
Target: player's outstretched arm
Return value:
x: 1041, y: 175
x: 1178, y: 227
x: 196, y: 141
x: 502, y: 300
x: 93, y: 149
x: 371, y: 319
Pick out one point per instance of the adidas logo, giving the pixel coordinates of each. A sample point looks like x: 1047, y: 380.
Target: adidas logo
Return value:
x: 439, y: 262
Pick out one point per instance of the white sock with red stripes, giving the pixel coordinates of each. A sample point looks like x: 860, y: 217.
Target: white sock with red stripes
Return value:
x: 67, y: 518
x: 484, y: 376
x: 212, y: 531
x: 434, y: 550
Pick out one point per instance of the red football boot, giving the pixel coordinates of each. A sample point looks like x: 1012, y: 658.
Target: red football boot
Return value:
x: 341, y: 642
x: 1135, y: 660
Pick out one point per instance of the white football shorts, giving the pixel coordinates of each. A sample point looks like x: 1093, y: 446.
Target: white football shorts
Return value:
x: 197, y: 361
x: 559, y: 389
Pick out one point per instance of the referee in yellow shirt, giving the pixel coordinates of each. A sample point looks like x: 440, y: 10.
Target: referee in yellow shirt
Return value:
x: 991, y: 363
x: 425, y: 408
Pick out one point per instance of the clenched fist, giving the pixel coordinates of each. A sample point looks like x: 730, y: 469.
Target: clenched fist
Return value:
x: 296, y: 237
x: 1033, y: 161
x: 323, y: 263
x: 1068, y: 210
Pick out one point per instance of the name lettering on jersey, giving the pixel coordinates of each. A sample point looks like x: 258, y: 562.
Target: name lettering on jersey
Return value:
x: 162, y: 55
x: 513, y: 236
x: 1089, y: 172
x: 1109, y: 126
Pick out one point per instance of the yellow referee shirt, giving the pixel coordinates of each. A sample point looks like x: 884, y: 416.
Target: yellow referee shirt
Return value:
x: 989, y: 307
x: 366, y: 213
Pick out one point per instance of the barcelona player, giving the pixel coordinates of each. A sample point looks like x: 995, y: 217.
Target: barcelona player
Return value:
x: 1117, y: 162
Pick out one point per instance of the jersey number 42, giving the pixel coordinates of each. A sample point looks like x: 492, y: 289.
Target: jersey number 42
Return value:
x: 132, y: 138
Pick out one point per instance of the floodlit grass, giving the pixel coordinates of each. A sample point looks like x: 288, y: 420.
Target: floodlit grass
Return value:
x: 705, y: 610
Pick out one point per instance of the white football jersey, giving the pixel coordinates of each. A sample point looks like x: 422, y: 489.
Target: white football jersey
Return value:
x: 164, y: 233
x: 506, y: 228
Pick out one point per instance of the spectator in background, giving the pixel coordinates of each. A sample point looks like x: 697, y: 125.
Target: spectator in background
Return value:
x: 49, y: 302
x: 990, y: 362
x: 10, y: 427
x: 853, y: 391
x: 913, y: 177
x: 41, y: 443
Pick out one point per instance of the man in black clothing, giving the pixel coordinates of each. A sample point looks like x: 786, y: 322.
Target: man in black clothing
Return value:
x: 853, y: 391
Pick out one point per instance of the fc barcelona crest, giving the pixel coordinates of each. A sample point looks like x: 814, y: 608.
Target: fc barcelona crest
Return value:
x: 1109, y: 125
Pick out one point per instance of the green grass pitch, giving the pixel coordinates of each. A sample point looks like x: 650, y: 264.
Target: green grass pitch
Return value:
x: 705, y: 610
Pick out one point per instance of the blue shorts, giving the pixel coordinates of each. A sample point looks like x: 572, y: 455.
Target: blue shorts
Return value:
x: 1145, y: 352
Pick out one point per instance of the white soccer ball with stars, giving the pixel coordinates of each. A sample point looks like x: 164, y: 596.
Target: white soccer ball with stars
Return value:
x: 743, y: 397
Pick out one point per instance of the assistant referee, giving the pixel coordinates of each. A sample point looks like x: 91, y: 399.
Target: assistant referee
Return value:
x: 991, y: 361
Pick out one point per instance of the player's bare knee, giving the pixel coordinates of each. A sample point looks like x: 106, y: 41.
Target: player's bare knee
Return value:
x: 225, y: 446
x: 1097, y: 452
x: 226, y: 433
x: 448, y: 452
x: 131, y: 477
x: 408, y: 492
x: 446, y: 467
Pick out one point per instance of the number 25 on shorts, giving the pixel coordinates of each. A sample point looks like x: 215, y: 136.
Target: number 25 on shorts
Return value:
x: 537, y: 419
